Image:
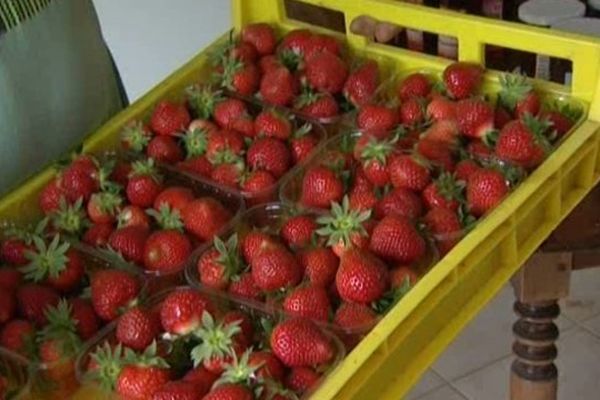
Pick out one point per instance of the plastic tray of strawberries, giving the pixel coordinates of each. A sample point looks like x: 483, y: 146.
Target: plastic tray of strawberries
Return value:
x: 235, y: 143
x: 144, y: 218
x: 53, y: 300
x: 186, y: 341
x: 511, y: 120
x: 284, y: 260
x: 14, y: 375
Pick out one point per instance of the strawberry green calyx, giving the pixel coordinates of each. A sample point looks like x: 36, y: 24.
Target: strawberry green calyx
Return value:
x: 147, y: 359
x: 229, y: 255
x: 222, y: 52
x: 104, y: 173
x: 231, y: 66
x: 514, y: 89
x: 342, y: 223
x: 226, y: 156
x: 195, y: 142
x: 26, y: 234
x: 145, y: 168
x: 467, y: 220
x: 377, y: 150
x: 136, y: 136
x: 167, y: 217
x: 61, y: 329
x: 307, y: 97
x: 275, y: 390
x: 290, y: 59
x: 303, y: 131
x: 217, y: 340
x: 538, y: 127
x: 47, y: 260
x: 239, y: 370
x: 70, y: 218
x: 202, y: 100
x: 108, y: 364
x: 449, y: 187
x: 392, y: 297
x: 108, y: 202
x: 571, y: 112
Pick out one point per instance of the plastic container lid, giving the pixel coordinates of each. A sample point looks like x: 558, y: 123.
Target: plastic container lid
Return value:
x: 584, y: 26
x: 548, y: 12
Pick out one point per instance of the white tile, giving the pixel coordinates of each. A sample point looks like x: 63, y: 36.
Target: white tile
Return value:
x: 429, y: 381
x: 489, y: 383
x: 578, y: 366
x: 444, y: 393
x: 584, y: 300
x: 486, y: 339
x: 593, y: 324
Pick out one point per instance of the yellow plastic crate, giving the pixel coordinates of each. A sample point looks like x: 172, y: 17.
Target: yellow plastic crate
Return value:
x: 402, y: 346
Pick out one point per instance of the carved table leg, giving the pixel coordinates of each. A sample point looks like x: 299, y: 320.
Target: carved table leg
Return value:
x: 541, y: 282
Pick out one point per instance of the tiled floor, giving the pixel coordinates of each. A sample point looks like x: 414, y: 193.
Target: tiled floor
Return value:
x: 476, y: 366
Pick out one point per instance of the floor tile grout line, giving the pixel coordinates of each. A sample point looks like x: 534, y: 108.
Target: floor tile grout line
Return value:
x: 470, y: 372
x: 588, y: 329
x: 456, y: 389
x: 444, y: 383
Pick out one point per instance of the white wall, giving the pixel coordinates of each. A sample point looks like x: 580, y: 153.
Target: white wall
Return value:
x: 151, y: 38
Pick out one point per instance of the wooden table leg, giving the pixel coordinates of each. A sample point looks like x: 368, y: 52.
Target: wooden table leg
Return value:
x: 541, y: 282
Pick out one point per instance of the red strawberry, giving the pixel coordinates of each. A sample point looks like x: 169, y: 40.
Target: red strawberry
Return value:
x: 297, y: 231
x: 355, y: 316
x: 275, y: 268
x: 308, y: 302
x: 443, y: 133
x: 362, y: 83
x: 278, y: 87
x: 8, y: 306
x: 444, y: 192
x: 322, y: 43
x: 326, y: 72
x: 33, y: 300
x: 204, y: 217
x: 142, y: 376
x: 169, y: 118
x: 57, y: 264
x: 517, y: 96
x: 217, y: 265
x: 244, y: 286
x: 377, y: 120
x: 111, y: 291
x: 241, y: 51
x: 362, y: 198
x: 475, y: 118
x: 297, y: 41
x: 175, y: 197
x: 50, y: 196
x: 441, y: 108
x: 270, y: 154
x: 16, y: 335
x: 177, y: 390
x: 240, y: 77
x: 258, y: 187
x: 103, y: 207
x: 164, y: 149
x: 198, y: 165
x: 480, y: 149
x: 464, y: 169
x: 501, y: 117
x: 13, y: 251
x: 562, y: 119
x: 135, y: 136
x: 414, y: 85
x: 399, y: 201
x: 137, y: 328
x: 361, y: 277
x: 166, y: 251
x: 412, y: 111
x: 229, y: 391
x: 254, y: 242
x: 10, y: 278
x: 181, y: 311
x: 320, y: 265
x: 320, y: 187
x: 271, y: 122
x: 84, y: 317
x: 77, y: 183
x: 144, y: 184
x: 485, y: 190
x: 523, y: 142
x: 228, y: 111
x: 302, y: 379
x: 202, y: 379
x: 228, y: 174
x: 303, y: 142
x: 300, y: 343
x: 408, y: 172
x: 225, y: 140
x: 120, y: 173
x: 269, y: 366
x: 462, y: 79
x: 396, y: 238
x: 445, y: 225
x: 320, y: 106
x: 374, y: 156
x: 401, y: 276
x: 261, y: 36
x: 129, y: 242
x: 245, y: 323
x: 268, y: 63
